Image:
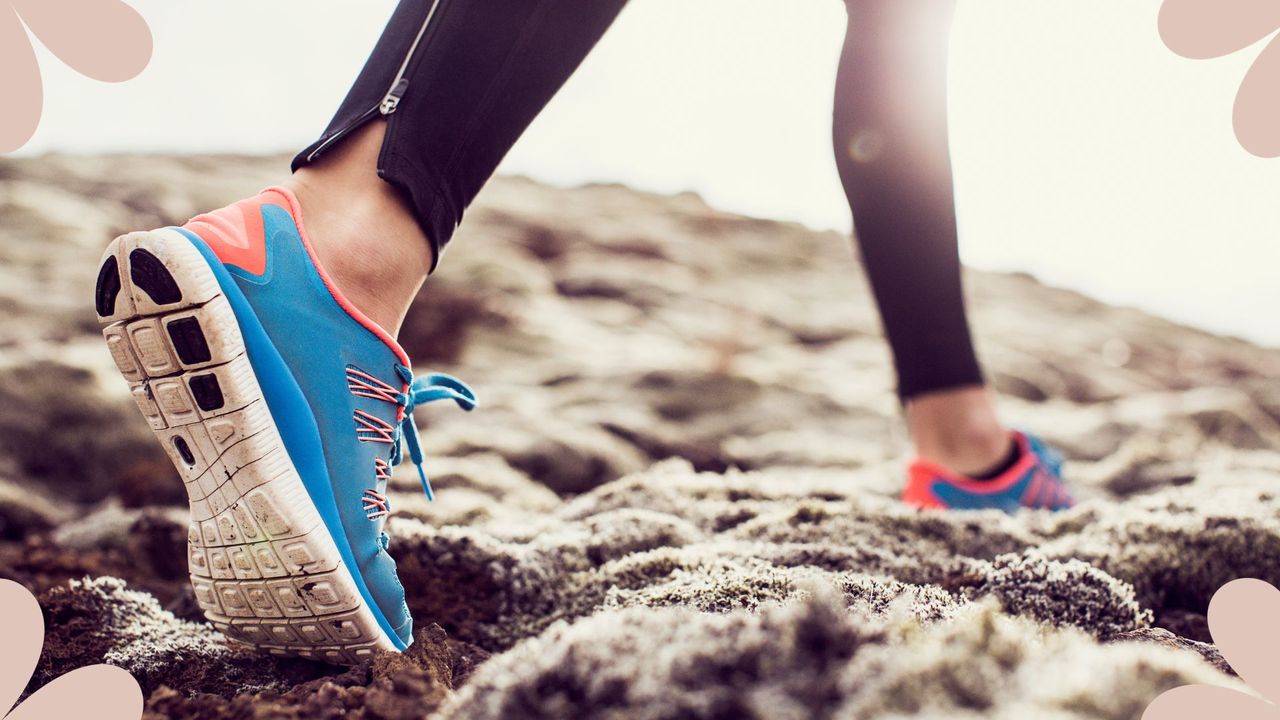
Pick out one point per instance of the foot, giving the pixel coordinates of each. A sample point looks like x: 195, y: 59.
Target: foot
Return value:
x: 958, y: 428
x: 283, y: 408
x: 1033, y: 481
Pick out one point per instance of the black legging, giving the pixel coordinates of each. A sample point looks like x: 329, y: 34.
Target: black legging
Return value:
x: 459, y: 81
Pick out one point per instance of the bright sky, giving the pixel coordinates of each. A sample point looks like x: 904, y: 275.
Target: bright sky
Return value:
x: 1086, y: 153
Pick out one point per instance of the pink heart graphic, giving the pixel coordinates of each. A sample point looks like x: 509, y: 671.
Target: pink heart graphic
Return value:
x: 98, y: 691
x: 103, y: 39
x: 1244, y: 618
x: 1203, y: 29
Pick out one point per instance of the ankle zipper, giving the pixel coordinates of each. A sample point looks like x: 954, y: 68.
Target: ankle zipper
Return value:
x: 401, y: 83
x: 391, y: 100
x: 365, y: 117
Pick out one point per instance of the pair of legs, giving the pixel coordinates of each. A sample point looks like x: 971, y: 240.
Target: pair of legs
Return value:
x: 452, y: 85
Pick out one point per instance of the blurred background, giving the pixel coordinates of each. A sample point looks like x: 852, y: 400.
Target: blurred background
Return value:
x: 1086, y: 153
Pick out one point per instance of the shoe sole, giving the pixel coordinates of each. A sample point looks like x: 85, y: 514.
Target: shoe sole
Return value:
x: 264, y: 567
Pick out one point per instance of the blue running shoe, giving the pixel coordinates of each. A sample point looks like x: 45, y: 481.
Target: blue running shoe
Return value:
x: 284, y: 409
x: 1034, y: 481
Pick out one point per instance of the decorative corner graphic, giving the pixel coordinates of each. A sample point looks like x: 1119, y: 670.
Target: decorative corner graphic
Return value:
x: 102, y: 39
x: 97, y: 691
x: 1204, y: 29
x: 1244, y: 618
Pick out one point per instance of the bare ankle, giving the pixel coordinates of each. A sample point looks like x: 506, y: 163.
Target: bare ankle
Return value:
x: 363, y: 232
x: 958, y: 429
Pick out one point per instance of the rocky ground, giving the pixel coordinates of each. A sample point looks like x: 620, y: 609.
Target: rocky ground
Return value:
x: 678, y: 498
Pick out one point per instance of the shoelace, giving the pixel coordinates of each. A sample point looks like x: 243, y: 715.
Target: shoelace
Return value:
x: 1052, y: 461
x: 422, y: 390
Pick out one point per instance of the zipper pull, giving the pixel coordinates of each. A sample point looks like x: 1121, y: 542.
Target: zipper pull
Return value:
x: 392, y: 99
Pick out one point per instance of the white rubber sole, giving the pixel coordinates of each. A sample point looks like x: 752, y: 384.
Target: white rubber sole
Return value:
x: 264, y: 567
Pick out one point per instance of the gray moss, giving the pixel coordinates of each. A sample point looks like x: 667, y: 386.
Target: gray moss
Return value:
x: 1060, y: 593
x: 101, y: 620
x: 815, y: 659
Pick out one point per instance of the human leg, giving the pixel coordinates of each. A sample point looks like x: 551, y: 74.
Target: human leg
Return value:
x: 892, y: 151
x: 893, y: 154
x: 449, y: 89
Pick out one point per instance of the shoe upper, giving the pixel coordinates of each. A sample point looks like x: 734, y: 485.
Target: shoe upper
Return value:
x: 354, y: 377
x: 1034, y: 481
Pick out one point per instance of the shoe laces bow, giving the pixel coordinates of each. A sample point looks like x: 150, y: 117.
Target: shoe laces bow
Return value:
x: 422, y: 390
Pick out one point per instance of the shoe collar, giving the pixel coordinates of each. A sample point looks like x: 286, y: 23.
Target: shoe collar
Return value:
x: 291, y: 204
x: 923, y: 470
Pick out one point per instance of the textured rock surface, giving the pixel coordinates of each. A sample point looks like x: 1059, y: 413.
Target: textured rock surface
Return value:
x: 678, y: 497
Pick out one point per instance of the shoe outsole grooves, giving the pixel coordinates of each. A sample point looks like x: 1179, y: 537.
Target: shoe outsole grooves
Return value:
x: 264, y: 567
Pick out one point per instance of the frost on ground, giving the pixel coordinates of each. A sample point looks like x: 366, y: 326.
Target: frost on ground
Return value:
x: 678, y: 497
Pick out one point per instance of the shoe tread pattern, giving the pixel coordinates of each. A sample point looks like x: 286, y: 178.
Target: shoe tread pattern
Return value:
x: 263, y: 566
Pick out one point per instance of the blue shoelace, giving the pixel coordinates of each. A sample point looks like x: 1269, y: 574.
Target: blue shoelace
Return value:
x: 422, y: 390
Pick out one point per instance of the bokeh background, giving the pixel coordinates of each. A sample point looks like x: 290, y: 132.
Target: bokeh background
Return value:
x: 1086, y: 152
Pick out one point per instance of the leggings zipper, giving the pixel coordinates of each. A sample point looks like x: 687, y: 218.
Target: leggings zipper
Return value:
x: 391, y: 100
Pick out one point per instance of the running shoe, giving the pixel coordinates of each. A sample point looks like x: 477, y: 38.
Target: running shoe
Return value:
x: 1034, y: 481
x: 283, y: 409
